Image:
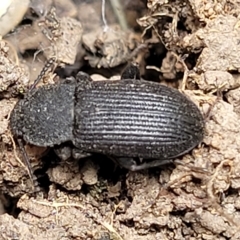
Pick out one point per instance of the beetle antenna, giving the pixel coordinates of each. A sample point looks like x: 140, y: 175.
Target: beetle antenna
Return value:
x: 27, y: 164
x: 50, y: 64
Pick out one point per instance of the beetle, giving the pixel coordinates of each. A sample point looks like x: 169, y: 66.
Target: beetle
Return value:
x: 126, y: 119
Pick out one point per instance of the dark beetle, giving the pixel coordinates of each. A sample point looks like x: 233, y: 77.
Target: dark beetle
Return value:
x: 126, y: 119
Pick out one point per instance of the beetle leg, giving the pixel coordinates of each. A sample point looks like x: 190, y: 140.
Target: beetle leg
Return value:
x: 131, y: 164
x: 131, y: 72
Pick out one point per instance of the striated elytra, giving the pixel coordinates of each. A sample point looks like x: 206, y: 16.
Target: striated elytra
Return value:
x: 123, y: 119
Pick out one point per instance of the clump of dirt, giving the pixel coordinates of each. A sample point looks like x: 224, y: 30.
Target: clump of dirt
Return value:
x: 192, y: 45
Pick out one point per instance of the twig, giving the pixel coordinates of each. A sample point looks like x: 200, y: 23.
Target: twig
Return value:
x: 104, y: 16
x: 118, y: 10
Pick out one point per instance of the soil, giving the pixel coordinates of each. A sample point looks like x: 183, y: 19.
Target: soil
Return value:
x: 192, y: 45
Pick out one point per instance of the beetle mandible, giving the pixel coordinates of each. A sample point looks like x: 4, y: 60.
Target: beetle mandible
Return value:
x: 126, y: 119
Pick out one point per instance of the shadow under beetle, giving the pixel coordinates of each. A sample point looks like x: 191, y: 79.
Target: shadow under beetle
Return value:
x: 127, y: 119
